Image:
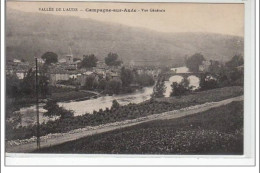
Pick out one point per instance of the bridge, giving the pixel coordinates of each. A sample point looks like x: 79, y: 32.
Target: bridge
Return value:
x: 184, y: 75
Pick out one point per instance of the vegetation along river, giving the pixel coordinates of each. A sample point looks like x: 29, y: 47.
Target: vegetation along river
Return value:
x: 28, y: 114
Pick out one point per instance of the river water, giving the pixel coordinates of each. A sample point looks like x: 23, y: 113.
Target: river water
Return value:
x: 88, y: 106
x: 193, y: 80
x: 28, y: 114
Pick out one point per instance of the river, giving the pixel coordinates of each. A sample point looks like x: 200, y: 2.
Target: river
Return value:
x: 88, y: 106
x: 28, y: 114
x: 193, y: 80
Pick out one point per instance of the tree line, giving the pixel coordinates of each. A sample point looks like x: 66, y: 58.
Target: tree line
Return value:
x: 216, y: 76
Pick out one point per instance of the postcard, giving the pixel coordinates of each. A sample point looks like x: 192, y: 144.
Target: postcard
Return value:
x: 127, y: 79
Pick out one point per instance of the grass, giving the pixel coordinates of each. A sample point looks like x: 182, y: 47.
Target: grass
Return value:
x: 205, y: 96
x: 216, y: 131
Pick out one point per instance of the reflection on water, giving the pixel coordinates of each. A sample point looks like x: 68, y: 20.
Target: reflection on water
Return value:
x: 167, y: 84
x: 29, y: 115
x: 193, y: 80
x: 88, y: 106
x: 181, y: 70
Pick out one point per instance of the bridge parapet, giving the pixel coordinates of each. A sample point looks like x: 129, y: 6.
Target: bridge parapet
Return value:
x: 184, y: 75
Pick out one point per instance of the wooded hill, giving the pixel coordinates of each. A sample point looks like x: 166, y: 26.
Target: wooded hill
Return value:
x: 32, y: 34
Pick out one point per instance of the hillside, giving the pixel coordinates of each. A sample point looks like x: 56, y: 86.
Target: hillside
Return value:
x: 32, y: 34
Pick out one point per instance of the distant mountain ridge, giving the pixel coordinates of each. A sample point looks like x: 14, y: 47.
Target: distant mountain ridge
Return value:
x: 32, y: 34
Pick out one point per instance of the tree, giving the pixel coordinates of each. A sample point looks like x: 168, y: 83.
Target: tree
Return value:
x: 76, y: 59
x: 115, y: 104
x: 207, y: 82
x: 102, y: 84
x: 112, y: 60
x: 194, y: 62
x: 215, y: 67
x: 50, y: 57
x: 127, y: 76
x: 12, y: 86
x: 89, y: 61
x: 181, y: 88
x: 28, y: 83
x: 144, y: 80
x: 114, y: 86
x: 236, y: 61
x: 89, y: 82
x: 159, y: 88
x: 53, y: 109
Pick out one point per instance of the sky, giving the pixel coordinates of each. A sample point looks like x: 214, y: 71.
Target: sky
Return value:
x: 178, y: 17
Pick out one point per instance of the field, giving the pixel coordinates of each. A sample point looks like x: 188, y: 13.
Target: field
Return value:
x: 205, y: 96
x: 216, y: 131
x: 130, y: 111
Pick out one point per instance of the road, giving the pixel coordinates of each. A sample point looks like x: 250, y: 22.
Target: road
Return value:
x: 80, y: 133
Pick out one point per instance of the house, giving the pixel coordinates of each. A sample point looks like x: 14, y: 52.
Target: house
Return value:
x: 57, y: 75
x: 17, y: 61
x: 62, y: 60
x: 40, y: 61
x: 69, y: 59
x: 82, y: 78
x: 21, y: 73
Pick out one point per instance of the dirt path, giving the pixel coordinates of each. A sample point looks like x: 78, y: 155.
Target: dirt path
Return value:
x: 60, y: 138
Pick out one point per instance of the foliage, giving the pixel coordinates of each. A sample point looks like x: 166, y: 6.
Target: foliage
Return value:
x: 115, y: 104
x: 114, y: 86
x: 28, y: 83
x: 76, y: 59
x: 215, y: 67
x: 89, y: 82
x: 102, y: 84
x: 208, y: 82
x: 194, y: 62
x: 88, y: 61
x: 223, y: 75
x: 216, y: 131
x: 181, y: 88
x: 112, y: 60
x: 130, y: 111
x: 145, y: 80
x: 28, y: 87
x: 12, y: 86
x: 50, y: 57
x: 71, y: 81
x: 127, y: 76
x: 159, y: 88
x: 236, y: 61
x: 53, y: 109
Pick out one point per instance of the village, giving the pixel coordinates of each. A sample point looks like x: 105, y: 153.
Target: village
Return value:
x: 68, y: 73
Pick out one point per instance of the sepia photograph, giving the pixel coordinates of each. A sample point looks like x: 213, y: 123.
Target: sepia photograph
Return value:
x: 124, y: 78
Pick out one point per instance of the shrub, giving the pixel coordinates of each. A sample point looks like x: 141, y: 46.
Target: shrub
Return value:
x: 208, y: 82
x: 53, y: 109
x: 181, y: 88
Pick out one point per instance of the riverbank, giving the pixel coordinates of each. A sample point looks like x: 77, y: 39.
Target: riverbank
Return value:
x: 215, y: 131
x: 28, y: 145
x: 59, y: 96
x: 127, y: 112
